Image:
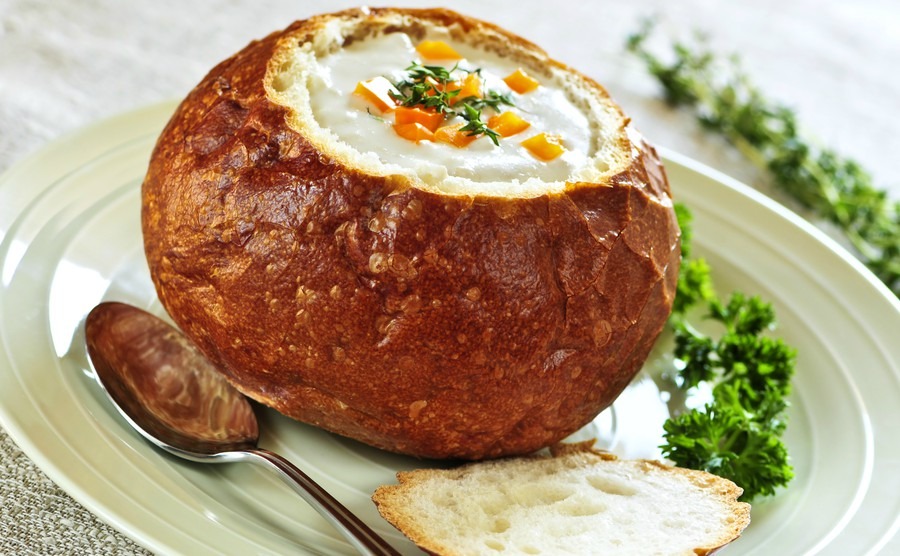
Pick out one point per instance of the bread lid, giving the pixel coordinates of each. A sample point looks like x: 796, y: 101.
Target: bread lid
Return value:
x: 579, y: 501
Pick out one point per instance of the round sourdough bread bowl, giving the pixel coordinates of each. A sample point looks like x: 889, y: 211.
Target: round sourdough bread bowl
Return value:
x: 433, y: 302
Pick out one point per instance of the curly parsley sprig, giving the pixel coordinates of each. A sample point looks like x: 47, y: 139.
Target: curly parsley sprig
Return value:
x: 427, y: 86
x: 726, y: 441
x: 738, y: 434
x: 837, y: 189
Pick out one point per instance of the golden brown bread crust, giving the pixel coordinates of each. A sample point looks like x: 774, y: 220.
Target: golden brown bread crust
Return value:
x: 427, y: 324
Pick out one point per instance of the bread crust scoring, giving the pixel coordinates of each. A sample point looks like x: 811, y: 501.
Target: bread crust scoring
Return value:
x: 423, y: 323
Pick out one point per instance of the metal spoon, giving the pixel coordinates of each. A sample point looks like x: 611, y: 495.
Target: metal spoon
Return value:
x: 171, y: 394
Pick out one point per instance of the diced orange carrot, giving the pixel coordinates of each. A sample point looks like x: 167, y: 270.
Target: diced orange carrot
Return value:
x: 414, y: 132
x: 545, y: 147
x: 377, y: 92
x: 471, y: 87
x: 507, y: 123
x: 409, y: 115
x: 451, y: 134
x: 437, y: 50
x: 521, y: 82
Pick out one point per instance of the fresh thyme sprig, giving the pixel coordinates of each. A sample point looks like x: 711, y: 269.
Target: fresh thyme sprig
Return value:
x: 836, y: 189
x: 427, y: 86
x: 492, y: 99
x: 475, y: 125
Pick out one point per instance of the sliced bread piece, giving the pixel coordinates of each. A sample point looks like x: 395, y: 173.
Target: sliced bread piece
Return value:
x: 579, y: 501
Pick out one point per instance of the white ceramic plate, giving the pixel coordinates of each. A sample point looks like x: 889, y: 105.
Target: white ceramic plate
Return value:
x: 70, y: 237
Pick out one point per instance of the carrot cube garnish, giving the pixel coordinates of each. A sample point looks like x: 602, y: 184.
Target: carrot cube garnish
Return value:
x: 452, y: 135
x: 544, y: 147
x: 409, y: 115
x: 437, y: 50
x: 414, y: 132
x: 376, y: 91
x: 521, y: 82
x: 507, y: 123
x: 471, y: 87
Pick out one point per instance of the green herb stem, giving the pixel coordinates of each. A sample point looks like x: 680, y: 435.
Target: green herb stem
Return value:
x: 836, y: 189
x: 426, y: 86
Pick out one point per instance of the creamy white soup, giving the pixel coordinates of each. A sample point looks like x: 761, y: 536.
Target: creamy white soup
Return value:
x: 319, y: 82
x: 333, y: 78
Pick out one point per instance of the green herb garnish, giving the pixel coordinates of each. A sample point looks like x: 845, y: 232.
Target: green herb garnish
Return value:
x: 836, y: 189
x: 738, y: 434
x: 427, y: 86
x: 475, y: 125
x: 492, y: 99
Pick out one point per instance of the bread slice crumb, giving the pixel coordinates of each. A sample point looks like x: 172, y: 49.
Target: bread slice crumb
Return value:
x: 576, y: 501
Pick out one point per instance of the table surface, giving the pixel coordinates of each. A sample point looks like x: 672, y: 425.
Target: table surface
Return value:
x: 64, y: 65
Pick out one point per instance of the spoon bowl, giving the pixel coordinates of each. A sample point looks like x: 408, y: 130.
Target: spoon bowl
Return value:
x: 176, y: 398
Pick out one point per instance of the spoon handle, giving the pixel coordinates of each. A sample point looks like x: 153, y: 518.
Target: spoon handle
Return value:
x: 363, y: 539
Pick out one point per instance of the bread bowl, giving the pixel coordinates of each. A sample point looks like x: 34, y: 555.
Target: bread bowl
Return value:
x: 417, y: 296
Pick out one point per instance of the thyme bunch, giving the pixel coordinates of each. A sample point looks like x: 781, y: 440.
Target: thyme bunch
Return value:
x: 836, y: 189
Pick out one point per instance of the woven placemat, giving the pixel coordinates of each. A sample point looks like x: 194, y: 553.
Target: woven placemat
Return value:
x: 37, y: 517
